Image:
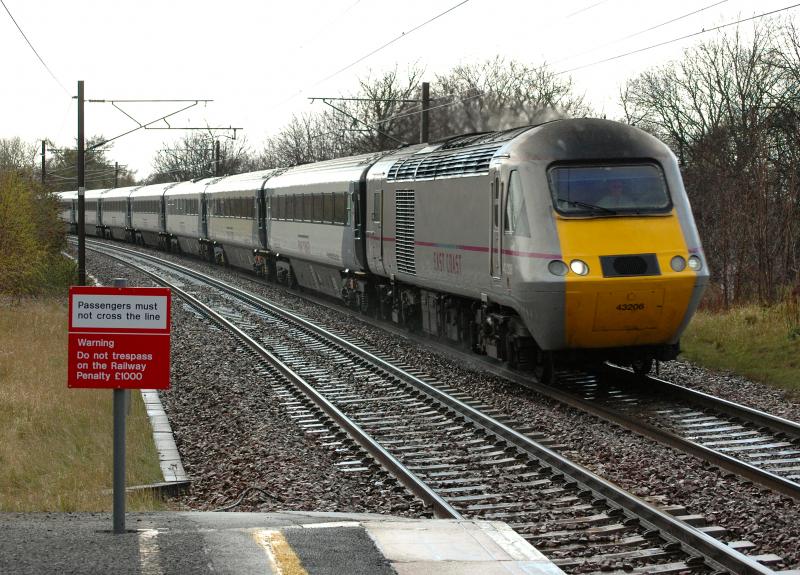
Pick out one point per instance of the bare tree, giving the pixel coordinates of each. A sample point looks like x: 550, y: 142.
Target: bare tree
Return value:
x: 16, y: 155
x: 499, y: 94
x: 385, y: 110
x: 375, y: 118
x: 724, y: 109
x: 194, y: 156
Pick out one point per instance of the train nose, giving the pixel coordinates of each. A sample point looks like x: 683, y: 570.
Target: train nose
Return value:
x: 628, y: 309
x: 618, y: 311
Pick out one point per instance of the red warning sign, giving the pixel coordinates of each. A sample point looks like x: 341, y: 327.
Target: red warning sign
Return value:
x: 119, y: 337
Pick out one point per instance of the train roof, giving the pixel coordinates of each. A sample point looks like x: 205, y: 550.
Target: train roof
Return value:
x: 71, y: 195
x: 152, y: 190
x: 348, y: 169
x: 190, y: 187
x: 586, y: 139
x: 249, y: 181
x: 94, y: 194
x: 120, y: 192
x: 465, y: 155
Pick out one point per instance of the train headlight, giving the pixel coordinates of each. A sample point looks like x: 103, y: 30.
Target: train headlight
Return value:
x: 580, y: 267
x: 695, y: 263
x: 678, y: 263
x: 558, y: 268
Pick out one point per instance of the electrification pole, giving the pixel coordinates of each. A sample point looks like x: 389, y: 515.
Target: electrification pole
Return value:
x: 116, y: 174
x: 44, y: 143
x: 216, y: 158
x: 426, y: 103
x: 81, y: 192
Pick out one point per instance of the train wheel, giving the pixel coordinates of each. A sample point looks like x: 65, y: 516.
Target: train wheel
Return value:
x: 512, y: 354
x: 543, y: 370
x: 642, y: 366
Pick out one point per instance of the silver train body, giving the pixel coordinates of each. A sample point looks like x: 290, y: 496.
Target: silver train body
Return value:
x: 504, y: 241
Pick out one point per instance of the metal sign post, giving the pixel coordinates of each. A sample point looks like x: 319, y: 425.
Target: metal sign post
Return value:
x: 119, y: 339
x: 81, y: 191
x: 118, y: 514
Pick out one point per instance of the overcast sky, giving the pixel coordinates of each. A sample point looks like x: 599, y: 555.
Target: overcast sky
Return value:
x: 260, y: 61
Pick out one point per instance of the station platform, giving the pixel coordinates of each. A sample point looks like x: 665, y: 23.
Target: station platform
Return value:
x: 290, y: 543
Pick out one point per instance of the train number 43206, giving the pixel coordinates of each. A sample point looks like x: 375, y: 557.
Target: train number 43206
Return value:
x: 630, y: 307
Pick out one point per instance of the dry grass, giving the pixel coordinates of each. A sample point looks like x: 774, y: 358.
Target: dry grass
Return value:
x: 56, y: 443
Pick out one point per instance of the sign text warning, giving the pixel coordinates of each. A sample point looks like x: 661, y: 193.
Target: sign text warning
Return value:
x: 119, y: 337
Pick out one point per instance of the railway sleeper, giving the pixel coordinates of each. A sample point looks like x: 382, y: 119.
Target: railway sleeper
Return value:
x: 677, y: 568
x: 634, y: 555
x: 548, y: 537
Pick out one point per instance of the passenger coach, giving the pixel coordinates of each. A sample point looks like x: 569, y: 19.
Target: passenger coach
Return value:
x: 236, y: 219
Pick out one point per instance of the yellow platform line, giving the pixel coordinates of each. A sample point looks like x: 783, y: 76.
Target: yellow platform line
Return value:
x: 280, y: 554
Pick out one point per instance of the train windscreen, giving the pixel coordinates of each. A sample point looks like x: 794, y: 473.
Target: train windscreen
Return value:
x: 599, y: 190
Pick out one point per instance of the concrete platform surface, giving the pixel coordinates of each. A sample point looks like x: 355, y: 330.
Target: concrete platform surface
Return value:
x: 290, y: 543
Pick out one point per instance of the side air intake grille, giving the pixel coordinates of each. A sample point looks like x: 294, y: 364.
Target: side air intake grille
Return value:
x: 454, y: 163
x: 404, y: 235
x: 634, y: 265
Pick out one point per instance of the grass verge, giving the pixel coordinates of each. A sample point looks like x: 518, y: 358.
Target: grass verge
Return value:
x: 56, y: 443
x: 761, y: 343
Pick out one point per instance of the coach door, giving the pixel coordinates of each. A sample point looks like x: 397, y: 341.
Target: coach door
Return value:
x: 376, y: 234
x: 496, y: 249
x: 263, y: 217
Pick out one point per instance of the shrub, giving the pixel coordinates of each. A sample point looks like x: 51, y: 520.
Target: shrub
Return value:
x: 31, y: 236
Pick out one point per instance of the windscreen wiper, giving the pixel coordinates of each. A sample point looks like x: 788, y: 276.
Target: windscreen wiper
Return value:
x: 590, y: 207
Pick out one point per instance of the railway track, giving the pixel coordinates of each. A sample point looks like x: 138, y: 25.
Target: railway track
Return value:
x: 753, y: 444
x: 461, y: 461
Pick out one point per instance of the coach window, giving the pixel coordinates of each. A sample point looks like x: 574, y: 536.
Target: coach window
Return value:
x: 340, y: 208
x: 298, y: 208
x: 318, y: 209
x: 516, y: 221
x: 308, y: 207
x: 327, y: 208
x: 289, y: 207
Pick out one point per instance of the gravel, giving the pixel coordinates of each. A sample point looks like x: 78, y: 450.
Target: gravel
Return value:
x: 643, y: 467
x: 234, y: 433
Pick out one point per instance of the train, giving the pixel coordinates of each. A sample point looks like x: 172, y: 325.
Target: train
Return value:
x: 570, y: 241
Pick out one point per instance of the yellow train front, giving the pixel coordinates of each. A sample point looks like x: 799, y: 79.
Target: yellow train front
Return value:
x: 630, y: 269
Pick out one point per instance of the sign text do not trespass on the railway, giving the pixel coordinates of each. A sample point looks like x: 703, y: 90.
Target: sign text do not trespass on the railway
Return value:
x: 119, y: 337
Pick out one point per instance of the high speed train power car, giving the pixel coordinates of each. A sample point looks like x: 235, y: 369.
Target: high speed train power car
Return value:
x: 567, y: 241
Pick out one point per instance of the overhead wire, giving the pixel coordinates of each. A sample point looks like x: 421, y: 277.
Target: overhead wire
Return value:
x: 640, y: 32
x: 703, y: 31
x: 585, y: 9
x: 375, y: 51
x: 692, y: 35
x: 46, y: 67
